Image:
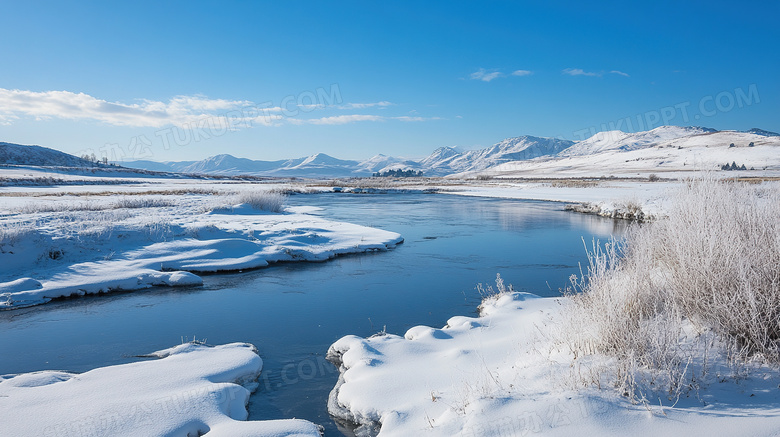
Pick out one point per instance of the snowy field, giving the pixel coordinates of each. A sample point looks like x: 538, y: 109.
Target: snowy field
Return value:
x: 507, y: 372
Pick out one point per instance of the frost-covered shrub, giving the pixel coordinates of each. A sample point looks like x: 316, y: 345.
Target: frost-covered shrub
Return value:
x: 263, y: 200
x: 94, y: 205
x: 658, y: 300
x: 11, y: 233
x: 490, y: 294
x: 142, y: 202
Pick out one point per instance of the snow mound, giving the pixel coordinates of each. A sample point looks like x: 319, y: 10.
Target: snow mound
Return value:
x: 21, y: 284
x: 503, y: 374
x: 190, y: 390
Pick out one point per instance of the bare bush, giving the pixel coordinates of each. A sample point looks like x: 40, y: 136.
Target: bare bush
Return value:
x: 264, y: 200
x: 657, y: 300
x: 272, y: 201
x: 490, y: 294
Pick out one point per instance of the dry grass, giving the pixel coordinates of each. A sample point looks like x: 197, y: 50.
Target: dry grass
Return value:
x: 574, y: 183
x: 657, y: 301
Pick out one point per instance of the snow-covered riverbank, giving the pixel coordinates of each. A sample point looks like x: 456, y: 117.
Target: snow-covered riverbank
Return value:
x: 671, y: 331
x: 187, y: 390
x: 62, y: 247
x: 502, y: 374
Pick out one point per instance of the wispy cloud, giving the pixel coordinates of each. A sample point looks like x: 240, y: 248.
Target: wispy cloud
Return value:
x: 178, y: 110
x: 382, y: 104
x: 337, y: 119
x: 522, y: 73
x: 485, y: 75
x: 579, y: 72
x: 620, y: 73
x: 355, y: 118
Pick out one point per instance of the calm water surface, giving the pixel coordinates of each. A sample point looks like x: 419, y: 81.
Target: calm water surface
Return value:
x: 292, y: 312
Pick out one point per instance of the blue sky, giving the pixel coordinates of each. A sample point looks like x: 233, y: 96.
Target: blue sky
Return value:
x: 273, y: 80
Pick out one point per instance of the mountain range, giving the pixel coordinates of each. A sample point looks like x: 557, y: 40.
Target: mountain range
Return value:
x: 450, y: 160
x: 669, y: 148
x: 443, y: 161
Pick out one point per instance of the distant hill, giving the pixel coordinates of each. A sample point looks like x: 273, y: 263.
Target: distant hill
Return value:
x: 662, y: 150
x: 763, y: 133
x: 17, y: 154
x: 618, y: 140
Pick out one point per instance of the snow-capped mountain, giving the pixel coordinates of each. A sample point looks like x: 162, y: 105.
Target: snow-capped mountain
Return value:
x: 380, y: 163
x: 448, y: 160
x: 443, y: 161
x: 611, y: 151
x: 661, y: 150
x: 318, y: 165
x: 618, y: 140
x: 228, y: 164
x: 666, y: 148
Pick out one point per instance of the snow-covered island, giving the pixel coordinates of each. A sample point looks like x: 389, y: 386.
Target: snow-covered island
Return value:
x: 60, y: 246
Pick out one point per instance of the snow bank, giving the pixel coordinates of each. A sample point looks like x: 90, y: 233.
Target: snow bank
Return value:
x: 498, y: 375
x: 190, y: 390
x: 611, y: 199
x: 230, y: 240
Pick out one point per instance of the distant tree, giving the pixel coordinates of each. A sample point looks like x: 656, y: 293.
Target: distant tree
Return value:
x: 653, y: 177
x: 399, y: 173
x: 751, y: 144
x: 743, y: 167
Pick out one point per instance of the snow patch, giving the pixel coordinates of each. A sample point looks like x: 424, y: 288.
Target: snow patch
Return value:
x: 191, y: 389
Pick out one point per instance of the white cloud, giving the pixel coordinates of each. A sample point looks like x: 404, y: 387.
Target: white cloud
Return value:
x: 485, y: 76
x: 620, y: 73
x: 579, y: 72
x: 354, y: 118
x: 178, y: 111
x: 382, y: 104
x: 337, y: 119
x: 522, y: 73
